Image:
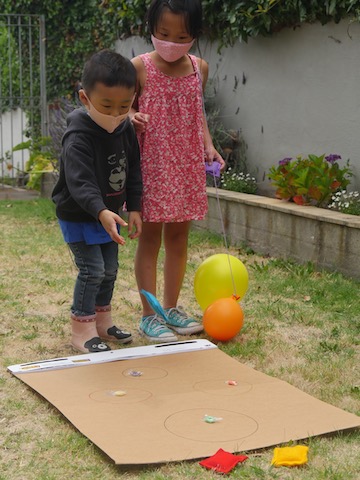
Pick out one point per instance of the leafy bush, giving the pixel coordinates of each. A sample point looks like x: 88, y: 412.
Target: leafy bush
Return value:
x: 77, y: 28
x: 230, y: 20
x: 41, y: 159
x: 74, y: 30
x: 9, y: 74
x: 310, y: 180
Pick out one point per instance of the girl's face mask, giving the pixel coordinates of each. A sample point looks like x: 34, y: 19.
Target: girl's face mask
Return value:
x: 107, y: 122
x: 170, y: 51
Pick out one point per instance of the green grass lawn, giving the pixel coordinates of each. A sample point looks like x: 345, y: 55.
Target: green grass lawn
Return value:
x: 301, y: 326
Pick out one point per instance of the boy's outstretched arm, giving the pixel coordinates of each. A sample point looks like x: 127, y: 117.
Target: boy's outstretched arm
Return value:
x: 109, y: 220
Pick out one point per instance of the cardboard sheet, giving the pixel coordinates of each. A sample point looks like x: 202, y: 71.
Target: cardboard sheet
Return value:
x: 143, y: 407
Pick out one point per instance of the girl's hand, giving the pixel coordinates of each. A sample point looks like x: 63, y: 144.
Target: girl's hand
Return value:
x: 135, y: 225
x: 140, y: 121
x: 109, y: 220
x: 212, y: 155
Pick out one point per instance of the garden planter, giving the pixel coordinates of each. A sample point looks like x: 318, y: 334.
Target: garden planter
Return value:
x: 48, y: 181
x: 329, y: 239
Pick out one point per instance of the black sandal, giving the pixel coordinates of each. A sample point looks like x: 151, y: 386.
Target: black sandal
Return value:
x: 95, y: 345
x: 117, y: 335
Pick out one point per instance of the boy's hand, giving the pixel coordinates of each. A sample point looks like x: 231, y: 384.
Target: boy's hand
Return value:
x: 140, y: 121
x: 109, y: 221
x: 135, y: 225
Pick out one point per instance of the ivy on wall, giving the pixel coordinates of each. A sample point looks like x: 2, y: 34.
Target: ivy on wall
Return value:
x: 9, y: 81
x: 74, y: 30
x: 77, y: 28
x: 227, y: 21
x: 234, y: 20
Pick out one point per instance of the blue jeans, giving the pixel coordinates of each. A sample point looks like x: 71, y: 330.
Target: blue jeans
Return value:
x: 98, y: 267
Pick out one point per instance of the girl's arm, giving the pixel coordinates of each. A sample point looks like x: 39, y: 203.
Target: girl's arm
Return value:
x: 210, y: 151
x: 135, y: 225
x: 139, y: 119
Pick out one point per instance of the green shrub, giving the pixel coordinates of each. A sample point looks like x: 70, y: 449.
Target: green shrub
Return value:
x: 310, y: 180
x: 41, y: 160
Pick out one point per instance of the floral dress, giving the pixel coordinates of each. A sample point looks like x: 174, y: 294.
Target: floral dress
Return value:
x: 172, y: 147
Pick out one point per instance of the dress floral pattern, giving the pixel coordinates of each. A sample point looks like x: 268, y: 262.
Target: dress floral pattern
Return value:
x: 172, y: 147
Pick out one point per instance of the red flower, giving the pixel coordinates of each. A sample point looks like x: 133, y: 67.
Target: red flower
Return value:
x: 299, y: 199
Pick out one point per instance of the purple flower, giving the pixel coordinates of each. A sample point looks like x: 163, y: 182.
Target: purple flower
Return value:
x: 285, y: 161
x: 332, y: 158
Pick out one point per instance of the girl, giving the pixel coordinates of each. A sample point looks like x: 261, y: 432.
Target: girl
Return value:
x: 174, y: 144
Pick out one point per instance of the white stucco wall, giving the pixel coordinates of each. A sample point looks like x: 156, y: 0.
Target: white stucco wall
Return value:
x: 301, y: 95
x: 12, y: 126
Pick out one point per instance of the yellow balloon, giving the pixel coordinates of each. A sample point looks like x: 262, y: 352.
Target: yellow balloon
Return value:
x: 220, y: 276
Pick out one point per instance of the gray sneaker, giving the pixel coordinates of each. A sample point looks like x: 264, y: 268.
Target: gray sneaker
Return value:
x: 179, y: 321
x: 154, y: 329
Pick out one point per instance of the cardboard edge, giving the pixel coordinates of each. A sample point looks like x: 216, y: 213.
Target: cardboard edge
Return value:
x: 112, y: 356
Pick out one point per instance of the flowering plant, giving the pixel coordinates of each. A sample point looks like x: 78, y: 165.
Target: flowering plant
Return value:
x: 238, y: 182
x: 346, y: 202
x: 310, y: 180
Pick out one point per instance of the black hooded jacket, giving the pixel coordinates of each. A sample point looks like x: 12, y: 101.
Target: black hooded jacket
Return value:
x: 98, y: 170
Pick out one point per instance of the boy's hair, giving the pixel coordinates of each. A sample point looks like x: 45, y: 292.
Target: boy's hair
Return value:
x: 191, y: 9
x: 109, y: 68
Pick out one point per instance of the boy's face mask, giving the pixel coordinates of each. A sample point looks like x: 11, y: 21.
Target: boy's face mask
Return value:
x: 107, y: 122
x: 170, y: 51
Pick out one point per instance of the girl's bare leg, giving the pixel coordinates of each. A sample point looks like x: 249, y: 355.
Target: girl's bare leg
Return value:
x: 175, y: 242
x: 146, y: 261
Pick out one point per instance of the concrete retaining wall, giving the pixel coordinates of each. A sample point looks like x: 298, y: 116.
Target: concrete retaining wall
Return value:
x: 329, y: 239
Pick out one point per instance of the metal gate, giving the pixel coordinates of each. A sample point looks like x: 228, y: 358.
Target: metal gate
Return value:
x: 23, y: 104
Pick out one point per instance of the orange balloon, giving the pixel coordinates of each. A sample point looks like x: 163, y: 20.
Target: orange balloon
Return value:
x: 223, y: 319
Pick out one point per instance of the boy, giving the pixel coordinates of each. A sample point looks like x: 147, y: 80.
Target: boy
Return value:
x: 99, y: 172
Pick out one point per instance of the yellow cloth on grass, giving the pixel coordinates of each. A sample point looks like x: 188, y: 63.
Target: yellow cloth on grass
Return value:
x: 290, y: 456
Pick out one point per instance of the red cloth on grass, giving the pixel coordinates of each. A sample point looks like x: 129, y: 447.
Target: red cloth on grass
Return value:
x: 222, y: 462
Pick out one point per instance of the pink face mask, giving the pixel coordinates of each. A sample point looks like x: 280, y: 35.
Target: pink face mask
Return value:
x: 170, y: 51
x: 107, y: 122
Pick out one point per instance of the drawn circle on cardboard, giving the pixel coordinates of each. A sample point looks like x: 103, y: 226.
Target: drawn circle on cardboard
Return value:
x: 220, y: 387
x: 120, y: 395
x: 190, y: 424
x: 147, y: 373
